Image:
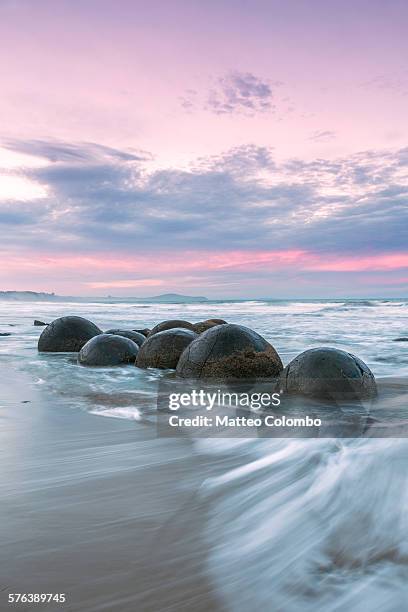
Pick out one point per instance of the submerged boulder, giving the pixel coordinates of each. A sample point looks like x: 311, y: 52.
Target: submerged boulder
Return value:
x: 328, y: 373
x: 202, y: 326
x: 67, y: 334
x: 171, y: 324
x: 128, y: 333
x: 38, y: 323
x: 163, y: 350
x: 229, y: 352
x: 108, y: 350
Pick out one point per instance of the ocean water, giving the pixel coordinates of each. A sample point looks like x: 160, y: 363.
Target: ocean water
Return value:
x: 366, y: 328
x: 314, y: 524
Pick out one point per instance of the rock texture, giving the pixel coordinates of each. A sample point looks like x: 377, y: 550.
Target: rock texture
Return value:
x: 202, y: 326
x: 163, y: 349
x: 145, y: 331
x: 108, y: 350
x: 171, y: 324
x: 67, y: 334
x: 328, y: 373
x: 229, y: 352
x: 128, y: 333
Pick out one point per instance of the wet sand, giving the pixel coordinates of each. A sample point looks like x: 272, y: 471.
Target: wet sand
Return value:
x: 97, y: 508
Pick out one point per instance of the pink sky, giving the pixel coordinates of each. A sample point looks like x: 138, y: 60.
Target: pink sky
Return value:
x: 236, y: 109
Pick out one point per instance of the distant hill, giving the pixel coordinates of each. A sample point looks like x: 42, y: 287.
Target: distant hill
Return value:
x: 33, y: 296
x: 175, y: 298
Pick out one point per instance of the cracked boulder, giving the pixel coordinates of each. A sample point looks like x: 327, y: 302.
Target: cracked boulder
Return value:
x: 163, y: 350
x: 108, y: 350
x: 229, y: 352
x: 171, y: 324
x: 67, y: 334
x: 328, y: 373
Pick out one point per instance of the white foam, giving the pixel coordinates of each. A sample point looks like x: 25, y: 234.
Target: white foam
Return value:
x: 130, y: 413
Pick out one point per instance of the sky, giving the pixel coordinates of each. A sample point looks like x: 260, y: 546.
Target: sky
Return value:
x: 225, y: 148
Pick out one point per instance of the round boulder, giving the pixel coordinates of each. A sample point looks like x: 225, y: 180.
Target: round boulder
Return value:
x: 128, y: 333
x: 202, y: 326
x: 171, y: 324
x: 328, y: 373
x: 108, y: 350
x: 163, y: 350
x: 229, y: 352
x: 145, y: 331
x: 67, y: 334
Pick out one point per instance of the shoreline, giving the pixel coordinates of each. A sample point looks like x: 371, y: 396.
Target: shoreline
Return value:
x: 99, y: 509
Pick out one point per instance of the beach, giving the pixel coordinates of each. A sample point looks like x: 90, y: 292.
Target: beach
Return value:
x: 97, y: 506
x: 98, y: 509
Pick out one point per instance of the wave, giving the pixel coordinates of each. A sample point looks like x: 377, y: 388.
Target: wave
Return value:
x: 315, y: 521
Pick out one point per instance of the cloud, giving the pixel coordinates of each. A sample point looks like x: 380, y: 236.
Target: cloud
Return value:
x: 222, y: 220
x: 235, y: 93
x: 56, y: 151
x: 394, y: 82
x: 240, y: 92
x: 322, y: 136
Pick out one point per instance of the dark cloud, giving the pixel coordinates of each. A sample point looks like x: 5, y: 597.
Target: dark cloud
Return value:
x: 241, y: 199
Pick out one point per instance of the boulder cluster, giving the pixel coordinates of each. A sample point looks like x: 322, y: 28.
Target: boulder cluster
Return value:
x: 212, y: 350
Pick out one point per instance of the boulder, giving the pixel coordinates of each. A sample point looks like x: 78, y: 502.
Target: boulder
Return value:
x: 108, y: 350
x: 400, y: 340
x: 39, y: 323
x: 171, y: 324
x: 67, y: 334
x: 128, y: 333
x: 328, y: 373
x: 229, y: 352
x: 202, y: 326
x: 5, y: 334
x: 145, y: 331
x: 163, y: 349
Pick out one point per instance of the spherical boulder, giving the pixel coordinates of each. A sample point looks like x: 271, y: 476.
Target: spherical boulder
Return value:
x: 108, y: 350
x: 328, y: 373
x: 229, y: 352
x: 67, y: 334
x: 145, y: 331
x: 163, y: 350
x: 128, y: 333
x: 171, y: 324
x: 202, y: 326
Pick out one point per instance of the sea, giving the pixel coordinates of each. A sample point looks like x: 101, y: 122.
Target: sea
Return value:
x: 296, y: 524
